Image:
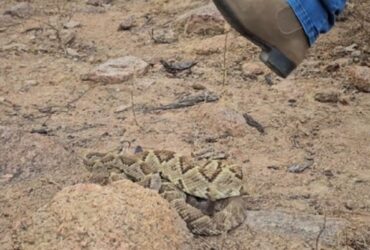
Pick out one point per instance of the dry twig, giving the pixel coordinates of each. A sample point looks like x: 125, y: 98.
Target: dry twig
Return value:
x: 225, y: 59
x: 320, y: 234
x: 132, y: 97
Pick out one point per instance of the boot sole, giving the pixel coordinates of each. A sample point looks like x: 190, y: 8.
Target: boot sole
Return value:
x: 271, y: 56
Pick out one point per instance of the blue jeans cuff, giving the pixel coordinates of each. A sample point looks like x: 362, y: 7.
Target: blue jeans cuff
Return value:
x: 305, y: 20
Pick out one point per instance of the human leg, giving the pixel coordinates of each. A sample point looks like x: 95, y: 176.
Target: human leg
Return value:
x: 284, y: 29
x: 317, y: 16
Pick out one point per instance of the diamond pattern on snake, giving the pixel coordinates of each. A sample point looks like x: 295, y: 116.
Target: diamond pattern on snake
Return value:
x: 207, y: 195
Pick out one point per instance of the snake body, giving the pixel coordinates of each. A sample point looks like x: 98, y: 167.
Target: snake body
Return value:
x: 207, y: 196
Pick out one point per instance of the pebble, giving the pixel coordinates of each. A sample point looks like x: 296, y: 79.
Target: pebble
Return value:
x: 164, y: 36
x: 356, y: 53
x: 122, y: 108
x: 359, y: 77
x: 252, y: 69
x: 72, y: 52
x: 127, y: 24
x: 72, y: 24
x: 330, y: 96
x: 300, y: 167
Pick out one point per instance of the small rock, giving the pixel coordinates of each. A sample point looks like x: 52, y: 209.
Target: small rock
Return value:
x: 360, y: 77
x: 342, y: 61
x: 332, y: 67
x: 146, y: 83
x: 118, y: 70
x: 72, y: 52
x: 72, y: 24
x: 175, y: 67
x: 98, y: 2
x: 270, y: 79
x: 300, y: 167
x: 330, y: 96
x: 20, y: 10
x: 206, y: 20
x: 198, y: 86
x: 328, y: 173
x: 339, y: 50
x: 6, y: 178
x: 351, y: 48
x: 122, y: 108
x: 28, y: 84
x: 164, y: 36
x: 252, y: 69
x: 366, y: 49
x: 337, y: 64
x: 350, y: 205
x: 356, y: 53
x: 127, y: 24
x: 273, y: 167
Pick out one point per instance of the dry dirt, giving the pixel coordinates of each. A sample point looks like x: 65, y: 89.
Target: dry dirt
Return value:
x: 50, y: 117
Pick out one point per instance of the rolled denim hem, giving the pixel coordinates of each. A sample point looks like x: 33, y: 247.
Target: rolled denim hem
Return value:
x: 305, y: 20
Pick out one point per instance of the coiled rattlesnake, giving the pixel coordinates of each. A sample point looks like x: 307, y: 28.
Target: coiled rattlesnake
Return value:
x: 183, y: 183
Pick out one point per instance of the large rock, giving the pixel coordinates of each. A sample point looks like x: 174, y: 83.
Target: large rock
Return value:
x: 360, y: 77
x: 206, y: 20
x: 118, y: 70
x: 33, y: 168
x: 121, y: 216
x: 304, y: 226
x: 271, y: 229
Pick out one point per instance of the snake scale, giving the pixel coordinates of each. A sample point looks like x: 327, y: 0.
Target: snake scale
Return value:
x: 207, y: 196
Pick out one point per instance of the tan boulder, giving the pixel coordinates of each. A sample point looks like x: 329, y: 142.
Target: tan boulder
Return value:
x: 121, y: 216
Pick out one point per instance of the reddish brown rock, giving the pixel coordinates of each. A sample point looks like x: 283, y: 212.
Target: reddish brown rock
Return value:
x: 206, y: 20
x: 252, y: 69
x: 121, y: 216
x: 118, y: 70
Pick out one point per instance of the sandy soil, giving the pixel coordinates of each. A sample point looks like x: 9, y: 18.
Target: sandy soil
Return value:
x: 42, y: 95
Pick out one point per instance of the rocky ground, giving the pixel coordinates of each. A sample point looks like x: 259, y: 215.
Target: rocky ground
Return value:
x: 77, y: 76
